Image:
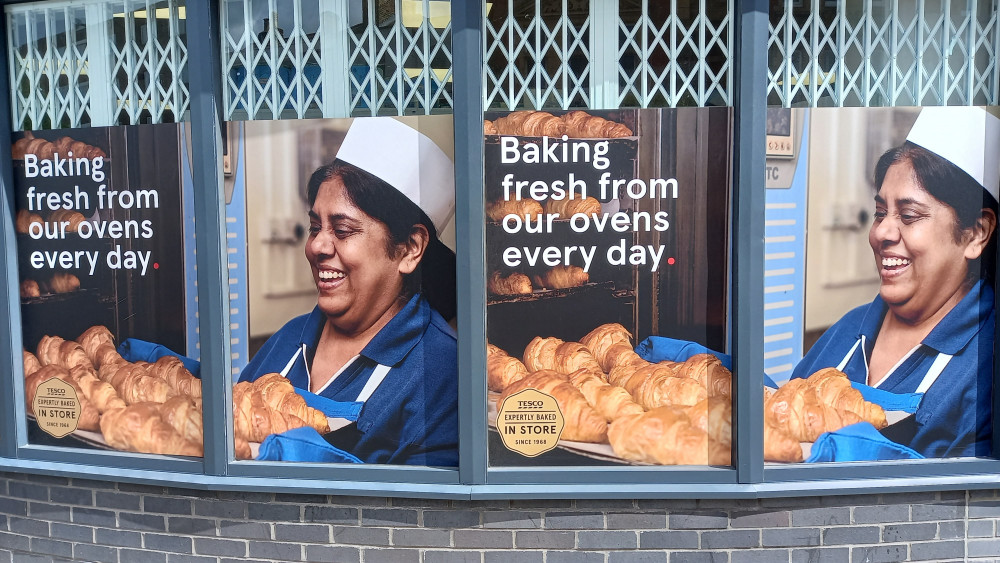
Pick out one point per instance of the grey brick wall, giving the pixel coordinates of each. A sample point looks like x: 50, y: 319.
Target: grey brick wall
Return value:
x: 58, y: 519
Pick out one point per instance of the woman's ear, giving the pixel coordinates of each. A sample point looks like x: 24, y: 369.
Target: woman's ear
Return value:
x: 981, y: 233
x: 413, y: 249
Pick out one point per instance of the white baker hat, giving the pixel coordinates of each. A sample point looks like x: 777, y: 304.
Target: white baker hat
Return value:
x: 968, y: 137
x: 405, y: 159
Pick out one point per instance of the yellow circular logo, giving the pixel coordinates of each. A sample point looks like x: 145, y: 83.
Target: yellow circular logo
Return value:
x: 530, y: 422
x: 56, y: 407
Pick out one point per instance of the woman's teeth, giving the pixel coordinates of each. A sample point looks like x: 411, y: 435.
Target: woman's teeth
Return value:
x: 327, y: 275
x: 894, y: 262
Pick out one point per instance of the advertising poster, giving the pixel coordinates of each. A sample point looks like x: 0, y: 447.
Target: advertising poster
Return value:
x: 607, y: 287
x: 879, y: 305
x: 350, y: 268
x: 101, y: 260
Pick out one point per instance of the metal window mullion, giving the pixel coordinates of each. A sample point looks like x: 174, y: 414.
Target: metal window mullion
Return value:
x: 866, y: 59
x: 994, y: 96
x: 893, y: 52
x: 301, y: 91
x: 673, y: 22
x: 565, y: 50
x: 335, y: 62
x: 814, y: 50
x: 102, y: 93
x: 841, y: 51
x: 644, y: 74
x: 970, y: 61
x: 789, y: 30
x: 400, y: 74
x: 943, y: 61
x: 373, y: 102
x: 425, y: 56
x: 702, y: 53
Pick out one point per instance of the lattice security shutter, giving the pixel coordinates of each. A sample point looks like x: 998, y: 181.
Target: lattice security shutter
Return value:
x: 884, y: 53
x: 336, y: 58
x: 75, y: 64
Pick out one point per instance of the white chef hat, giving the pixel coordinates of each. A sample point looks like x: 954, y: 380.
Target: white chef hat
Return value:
x: 405, y: 159
x: 968, y: 137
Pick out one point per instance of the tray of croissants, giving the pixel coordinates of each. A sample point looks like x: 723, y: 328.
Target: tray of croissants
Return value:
x: 156, y: 407
x: 618, y: 406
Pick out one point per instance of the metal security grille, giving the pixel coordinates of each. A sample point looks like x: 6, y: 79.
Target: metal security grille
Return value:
x: 334, y: 58
x: 884, y: 53
x: 74, y: 64
x: 604, y: 54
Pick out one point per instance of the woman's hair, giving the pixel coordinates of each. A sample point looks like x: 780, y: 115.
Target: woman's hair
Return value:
x: 435, y: 274
x: 952, y: 186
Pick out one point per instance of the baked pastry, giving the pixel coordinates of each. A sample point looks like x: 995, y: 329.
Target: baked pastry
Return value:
x: 100, y: 393
x: 569, y: 206
x: 25, y: 219
x: 172, y: 370
x: 70, y: 217
x: 66, y: 353
x: 572, y: 356
x: 797, y: 410
x: 133, y: 384
x: 529, y: 123
x: 540, y: 353
x: 834, y: 388
x: 183, y: 413
x: 253, y: 420
x: 562, y: 277
x: 514, y: 284
x: 582, y: 125
x: 656, y: 385
x: 31, y: 363
x: 708, y: 370
x: 608, y: 400
x: 502, y: 370
x: 64, y: 283
x: 141, y: 428
x: 489, y: 128
x: 582, y: 422
x: 715, y: 418
x: 501, y: 208
x: 279, y: 394
x: 601, y: 340
x: 29, y: 289
x: 18, y: 149
x: 99, y: 345
x: 664, y: 435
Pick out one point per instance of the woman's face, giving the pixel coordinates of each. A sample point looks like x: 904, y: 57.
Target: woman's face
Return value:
x: 347, y: 249
x: 921, y: 265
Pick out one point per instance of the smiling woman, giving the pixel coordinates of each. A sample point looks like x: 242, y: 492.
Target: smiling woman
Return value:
x: 377, y: 344
x: 928, y: 335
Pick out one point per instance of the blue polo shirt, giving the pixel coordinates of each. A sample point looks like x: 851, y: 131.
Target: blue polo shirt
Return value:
x: 412, y: 418
x: 954, y: 418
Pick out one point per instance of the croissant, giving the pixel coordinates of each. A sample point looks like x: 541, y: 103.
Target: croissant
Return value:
x: 582, y: 422
x: 489, y: 128
x: 540, y: 353
x: 243, y: 450
x: 497, y: 210
x: 493, y: 350
x: 571, y: 356
x: 183, y: 414
x: 779, y: 446
x: 600, y: 340
x: 655, y: 385
x: 834, y: 388
x: 99, y: 345
x: 31, y: 363
x: 797, y: 410
x: 17, y: 150
x: 35, y: 146
x: 100, y: 393
x: 25, y: 218
x: 502, y: 370
x: 65, y: 353
x: 715, y: 417
x: 608, y: 400
x: 62, y: 145
x: 89, y: 415
x: 141, y: 428
x: 253, y: 420
x: 514, y: 284
x: 709, y: 371
x: 531, y: 124
x: 72, y: 218
x: 172, y: 370
x: 133, y: 384
x: 562, y: 277
x: 581, y: 125
x: 64, y: 283
x: 569, y: 206
x: 663, y: 435
x: 279, y: 394
x: 29, y: 289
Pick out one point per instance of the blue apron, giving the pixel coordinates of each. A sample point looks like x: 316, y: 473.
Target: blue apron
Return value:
x: 306, y: 444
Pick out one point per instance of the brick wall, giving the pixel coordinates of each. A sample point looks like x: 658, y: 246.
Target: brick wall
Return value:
x: 59, y: 519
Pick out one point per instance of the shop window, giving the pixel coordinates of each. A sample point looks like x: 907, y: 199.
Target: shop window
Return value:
x: 97, y: 63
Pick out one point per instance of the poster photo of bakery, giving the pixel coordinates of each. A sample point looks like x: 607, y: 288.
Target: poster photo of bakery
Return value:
x: 350, y: 266
x: 100, y: 241
x: 607, y: 287
x: 883, y: 253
